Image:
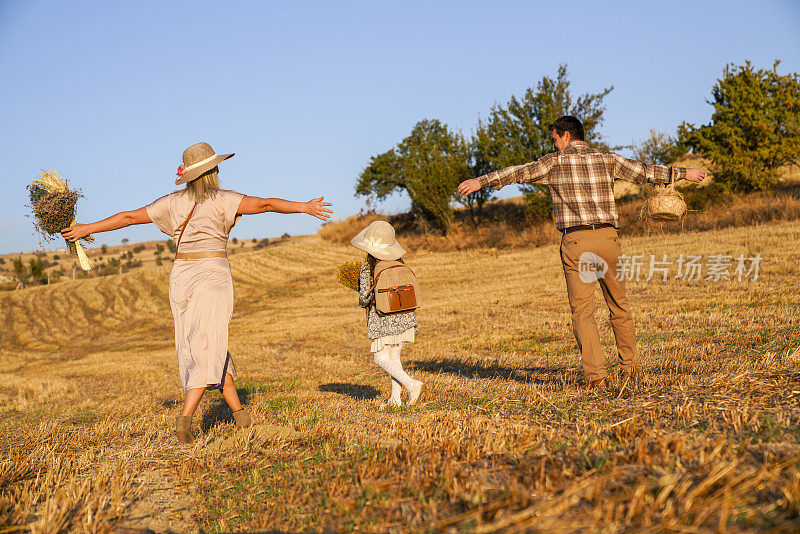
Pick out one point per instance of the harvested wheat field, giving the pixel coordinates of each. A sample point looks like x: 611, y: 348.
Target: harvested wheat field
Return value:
x: 505, y: 439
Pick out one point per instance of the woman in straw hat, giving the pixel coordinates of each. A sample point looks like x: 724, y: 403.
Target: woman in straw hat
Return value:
x: 199, y: 219
x: 387, y: 332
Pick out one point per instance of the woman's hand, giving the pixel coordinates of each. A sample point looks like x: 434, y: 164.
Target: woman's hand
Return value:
x: 75, y: 232
x: 316, y: 208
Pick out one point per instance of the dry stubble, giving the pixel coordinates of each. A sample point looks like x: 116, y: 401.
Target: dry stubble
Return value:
x: 506, y: 437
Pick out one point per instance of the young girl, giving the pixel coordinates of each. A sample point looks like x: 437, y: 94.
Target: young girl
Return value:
x: 387, y: 333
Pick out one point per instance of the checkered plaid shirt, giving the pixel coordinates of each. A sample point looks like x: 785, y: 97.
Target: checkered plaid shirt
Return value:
x: 581, y: 181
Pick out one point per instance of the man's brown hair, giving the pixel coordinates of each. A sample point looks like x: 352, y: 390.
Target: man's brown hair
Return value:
x: 570, y: 124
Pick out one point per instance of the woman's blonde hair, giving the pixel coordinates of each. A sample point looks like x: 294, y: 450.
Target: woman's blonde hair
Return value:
x: 206, y: 183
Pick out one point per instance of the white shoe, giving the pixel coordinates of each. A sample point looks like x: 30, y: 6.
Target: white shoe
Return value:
x: 415, y: 392
x: 388, y: 404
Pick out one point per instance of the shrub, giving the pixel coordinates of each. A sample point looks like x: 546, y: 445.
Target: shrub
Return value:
x: 538, y: 204
x: 697, y: 198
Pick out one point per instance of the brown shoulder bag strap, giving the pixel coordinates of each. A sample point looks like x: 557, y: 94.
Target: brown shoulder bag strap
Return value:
x: 186, y: 222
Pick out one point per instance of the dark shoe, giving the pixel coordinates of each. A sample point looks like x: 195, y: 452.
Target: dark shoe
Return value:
x: 183, y: 429
x: 599, y: 384
x: 242, y: 418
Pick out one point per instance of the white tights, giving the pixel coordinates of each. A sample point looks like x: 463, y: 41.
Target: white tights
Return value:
x: 388, y: 359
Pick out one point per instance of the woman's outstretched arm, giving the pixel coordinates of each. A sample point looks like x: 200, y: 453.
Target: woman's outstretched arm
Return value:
x: 120, y: 220
x: 315, y: 207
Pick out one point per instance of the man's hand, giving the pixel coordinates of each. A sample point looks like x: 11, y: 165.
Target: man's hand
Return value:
x: 695, y: 175
x: 316, y: 208
x: 469, y: 186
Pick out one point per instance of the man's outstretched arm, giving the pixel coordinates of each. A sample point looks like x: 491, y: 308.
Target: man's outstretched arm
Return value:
x: 529, y: 173
x: 639, y: 173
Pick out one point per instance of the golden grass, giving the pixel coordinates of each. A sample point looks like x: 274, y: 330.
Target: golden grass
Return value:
x: 506, y: 439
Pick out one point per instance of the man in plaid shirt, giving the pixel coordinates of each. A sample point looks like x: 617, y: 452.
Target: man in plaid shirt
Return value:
x: 581, y: 182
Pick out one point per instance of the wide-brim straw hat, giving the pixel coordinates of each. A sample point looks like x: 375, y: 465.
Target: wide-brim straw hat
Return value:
x: 378, y: 239
x: 197, y: 159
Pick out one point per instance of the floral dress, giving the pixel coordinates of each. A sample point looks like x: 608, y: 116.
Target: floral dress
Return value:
x: 389, y: 330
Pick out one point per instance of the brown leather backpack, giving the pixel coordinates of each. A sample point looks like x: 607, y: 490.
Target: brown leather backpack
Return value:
x: 395, y: 288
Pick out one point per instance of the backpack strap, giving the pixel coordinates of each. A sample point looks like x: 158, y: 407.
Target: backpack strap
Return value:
x: 185, y: 223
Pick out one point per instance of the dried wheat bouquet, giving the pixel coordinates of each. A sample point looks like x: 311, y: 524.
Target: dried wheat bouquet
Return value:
x: 347, y: 274
x: 54, y: 208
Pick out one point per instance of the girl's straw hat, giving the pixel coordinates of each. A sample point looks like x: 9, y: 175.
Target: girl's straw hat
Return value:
x: 197, y: 159
x: 378, y: 239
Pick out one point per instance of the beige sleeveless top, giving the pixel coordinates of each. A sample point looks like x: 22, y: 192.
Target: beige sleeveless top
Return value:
x: 210, y: 224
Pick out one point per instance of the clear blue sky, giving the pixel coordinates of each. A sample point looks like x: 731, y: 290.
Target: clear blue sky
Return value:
x: 110, y: 93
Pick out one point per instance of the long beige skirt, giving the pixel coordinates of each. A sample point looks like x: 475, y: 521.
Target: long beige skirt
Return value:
x: 201, y: 298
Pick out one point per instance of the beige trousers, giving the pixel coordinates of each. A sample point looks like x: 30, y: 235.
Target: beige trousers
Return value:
x: 588, y: 256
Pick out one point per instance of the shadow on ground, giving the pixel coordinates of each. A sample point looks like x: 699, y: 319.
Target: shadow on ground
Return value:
x: 527, y: 375
x: 171, y: 403
x: 219, y: 412
x: 356, y: 391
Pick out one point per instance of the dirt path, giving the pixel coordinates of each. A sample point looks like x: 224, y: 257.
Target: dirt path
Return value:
x: 165, y: 507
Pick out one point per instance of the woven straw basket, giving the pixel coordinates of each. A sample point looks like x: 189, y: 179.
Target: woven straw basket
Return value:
x: 667, y: 205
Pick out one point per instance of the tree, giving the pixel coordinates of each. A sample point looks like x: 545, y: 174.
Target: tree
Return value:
x: 658, y: 148
x: 171, y: 246
x: 432, y: 162
x: 428, y: 164
x: 19, y: 269
x: 754, y: 129
x: 479, y: 166
x: 518, y: 132
x: 37, y: 269
x: 381, y: 177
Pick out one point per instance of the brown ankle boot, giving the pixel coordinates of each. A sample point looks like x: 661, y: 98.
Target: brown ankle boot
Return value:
x: 183, y: 430
x: 242, y: 418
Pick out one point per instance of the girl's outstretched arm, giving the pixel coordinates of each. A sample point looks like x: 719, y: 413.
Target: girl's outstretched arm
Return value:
x: 315, y: 207
x: 120, y: 220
